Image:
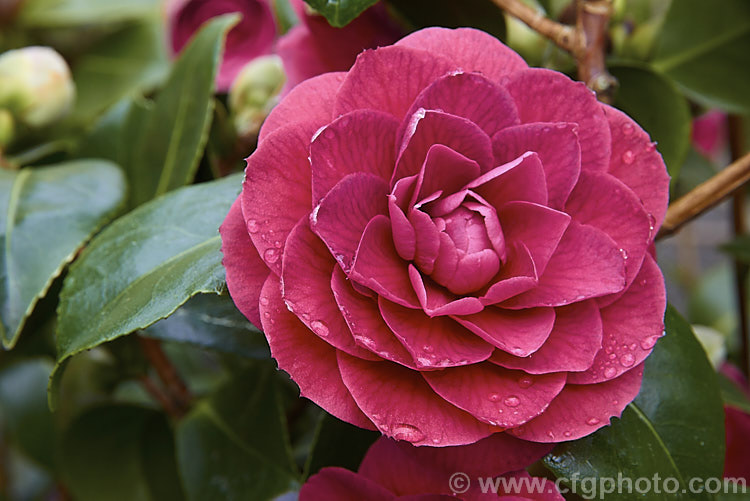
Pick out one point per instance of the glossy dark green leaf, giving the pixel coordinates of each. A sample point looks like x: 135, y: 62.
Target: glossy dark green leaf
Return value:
x: 130, y: 60
x: 339, y: 13
x: 675, y: 427
x: 50, y: 212
x: 120, y: 452
x: 167, y: 143
x: 658, y: 106
x: 144, y: 266
x: 481, y: 14
x: 63, y: 13
x: 212, y: 321
x: 703, y: 47
x: 27, y: 420
x: 233, y: 446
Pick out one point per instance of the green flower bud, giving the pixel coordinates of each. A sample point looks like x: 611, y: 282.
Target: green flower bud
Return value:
x: 35, y: 85
x: 714, y: 342
x: 255, y: 92
x: 6, y: 128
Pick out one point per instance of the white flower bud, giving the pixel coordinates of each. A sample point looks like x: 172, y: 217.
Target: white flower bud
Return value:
x: 6, y: 128
x: 255, y: 91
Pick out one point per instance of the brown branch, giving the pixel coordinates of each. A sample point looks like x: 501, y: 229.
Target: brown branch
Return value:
x: 592, y: 22
x: 706, y: 195
x: 164, y: 401
x: 562, y: 35
x: 177, y: 391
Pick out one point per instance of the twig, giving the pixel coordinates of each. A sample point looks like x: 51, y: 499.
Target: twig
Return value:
x: 706, y: 195
x: 162, y: 398
x: 562, y: 35
x: 175, y: 387
x: 592, y: 22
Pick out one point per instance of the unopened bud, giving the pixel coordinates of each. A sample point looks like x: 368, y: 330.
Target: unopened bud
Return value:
x: 6, y: 128
x: 35, y: 85
x: 255, y: 92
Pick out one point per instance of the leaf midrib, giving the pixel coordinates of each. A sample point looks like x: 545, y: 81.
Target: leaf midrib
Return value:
x: 671, y: 62
x: 14, y: 202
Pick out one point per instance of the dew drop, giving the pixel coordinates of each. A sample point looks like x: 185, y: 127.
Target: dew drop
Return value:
x: 267, y: 314
x: 407, y: 432
x: 624, y: 253
x: 612, y: 356
x: 271, y: 255
x: 512, y: 401
x: 649, y: 342
x: 567, y: 434
x: 627, y: 129
x: 277, y: 244
x: 610, y: 372
x: 253, y: 226
x: 436, y: 441
x: 264, y: 301
x: 550, y: 434
x: 628, y: 157
x: 319, y: 328
x: 494, y: 397
x: 525, y: 381
x: 593, y: 421
x: 651, y: 147
x: 627, y: 360
x: 427, y: 348
x: 633, y: 346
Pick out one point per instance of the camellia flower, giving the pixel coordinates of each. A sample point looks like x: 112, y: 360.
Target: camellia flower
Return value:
x: 252, y: 37
x: 390, y: 470
x: 443, y: 244
x: 737, y: 426
x: 709, y: 134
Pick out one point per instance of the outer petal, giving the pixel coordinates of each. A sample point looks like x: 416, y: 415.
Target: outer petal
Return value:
x: 636, y: 163
x: 548, y: 96
x: 404, y: 407
x: 629, y: 338
x: 309, y: 105
x: 246, y: 271
x: 389, y: 79
x: 580, y: 410
x: 587, y: 264
x: 306, y: 288
x: 343, y: 214
x: 468, y: 49
x: 572, y: 345
x: 600, y: 200
x: 557, y: 147
x: 300, y: 56
x: 495, y: 395
x: 472, y: 96
x: 362, y: 315
x: 338, y: 484
x: 519, y: 332
x: 434, y: 342
x: 310, y: 361
x: 276, y: 191
x: 378, y: 266
x: 361, y: 141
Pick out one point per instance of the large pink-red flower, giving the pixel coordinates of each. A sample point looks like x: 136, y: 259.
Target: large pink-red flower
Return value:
x: 492, y: 468
x: 443, y: 244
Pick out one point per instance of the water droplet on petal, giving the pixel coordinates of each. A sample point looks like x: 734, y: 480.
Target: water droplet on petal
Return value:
x: 624, y: 253
x: 612, y: 356
x: 627, y: 129
x: 567, y: 434
x: 627, y: 360
x: 494, y: 397
x: 512, y: 401
x: 252, y: 226
x: 277, y: 244
x: 427, y: 348
x: 407, y: 432
x: 264, y: 301
x: 319, y: 328
x: 525, y: 381
x: 610, y: 372
x: 267, y: 314
x: 628, y: 157
x: 651, y: 147
x: 593, y: 421
x: 435, y: 440
x: 633, y: 346
x: 271, y: 255
x: 649, y: 342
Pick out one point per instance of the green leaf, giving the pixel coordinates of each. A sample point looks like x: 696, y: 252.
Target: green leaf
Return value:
x: 212, y: 321
x: 739, y: 248
x: 50, y: 212
x: 144, y: 266
x: 481, y: 14
x: 63, y: 13
x: 732, y: 395
x: 675, y: 427
x: 120, y: 452
x: 168, y: 141
x: 703, y: 47
x: 233, y: 446
x: 130, y: 60
x: 339, y: 13
x: 657, y: 105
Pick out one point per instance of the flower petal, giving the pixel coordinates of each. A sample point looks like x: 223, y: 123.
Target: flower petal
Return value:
x: 361, y: 141
x: 557, y: 147
x: 276, y: 191
x: 436, y: 301
x: 427, y: 240
x: 246, y: 271
x: 309, y: 106
x: 468, y: 49
x: 517, y: 276
x: 445, y: 170
x: 339, y: 484
x: 543, y: 95
x: 629, y: 338
x: 403, y: 406
x: 306, y: 288
x: 519, y: 332
x: 341, y: 217
x: 378, y: 266
x: 580, y: 410
x: 631, y: 146
x: 586, y: 264
x: 520, y: 179
x: 433, y: 342
x: 310, y: 362
x: 572, y: 345
x: 377, y: 81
